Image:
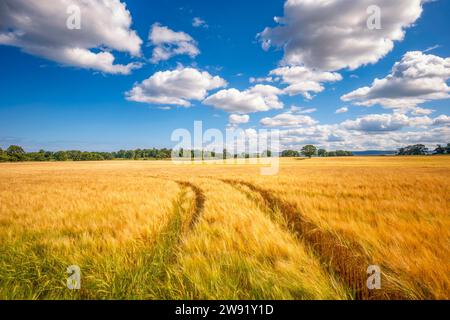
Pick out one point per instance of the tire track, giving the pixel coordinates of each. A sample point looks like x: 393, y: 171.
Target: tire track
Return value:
x: 199, y: 202
x: 164, y: 254
x: 199, y: 199
x: 348, y: 262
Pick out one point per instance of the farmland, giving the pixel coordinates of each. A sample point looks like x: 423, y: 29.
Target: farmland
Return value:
x: 156, y: 230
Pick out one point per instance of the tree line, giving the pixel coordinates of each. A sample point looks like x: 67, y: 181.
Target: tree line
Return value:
x: 16, y: 153
x: 420, y: 149
x: 310, y: 150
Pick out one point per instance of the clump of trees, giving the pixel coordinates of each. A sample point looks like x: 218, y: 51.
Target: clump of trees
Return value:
x: 310, y: 150
x: 420, y: 149
x: 140, y: 154
x: 16, y: 153
x: 208, y: 155
x: 13, y: 153
x: 337, y: 153
x: 442, y: 149
x: 414, y: 150
x: 290, y: 154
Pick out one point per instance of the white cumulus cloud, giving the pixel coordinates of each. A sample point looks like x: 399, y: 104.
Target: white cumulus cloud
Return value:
x: 257, y: 98
x: 371, y: 132
x: 288, y: 119
x: 236, y: 119
x: 168, y: 43
x: 40, y: 28
x: 341, y: 110
x: 441, y: 120
x: 333, y: 34
x: 388, y: 122
x: 416, y: 79
x: 175, y: 87
x: 301, y: 110
x: 304, y: 81
x: 418, y: 111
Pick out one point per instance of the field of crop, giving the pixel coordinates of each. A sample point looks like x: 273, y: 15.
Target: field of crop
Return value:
x: 155, y: 230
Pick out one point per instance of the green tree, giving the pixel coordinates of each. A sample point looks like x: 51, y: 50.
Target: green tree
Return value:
x: 36, y: 156
x: 16, y: 153
x: 107, y: 155
x: 74, y: 155
x: 414, y: 150
x: 86, y: 156
x: 440, y: 149
x: 138, y: 154
x: 121, y: 154
x: 290, y: 153
x: 322, y: 153
x: 129, y: 154
x: 3, y: 156
x: 60, y: 156
x: 309, y: 150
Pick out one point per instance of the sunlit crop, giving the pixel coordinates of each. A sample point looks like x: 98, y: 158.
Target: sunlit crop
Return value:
x: 156, y: 230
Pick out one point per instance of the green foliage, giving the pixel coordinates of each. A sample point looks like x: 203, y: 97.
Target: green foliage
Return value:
x: 342, y: 153
x: 15, y: 153
x: 39, y: 156
x: 309, y: 150
x: 322, y: 153
x: 440, y: 149
x: 414, y: 150
x: 290, y: 153
x: 3, y: 156
x: 61, y: 156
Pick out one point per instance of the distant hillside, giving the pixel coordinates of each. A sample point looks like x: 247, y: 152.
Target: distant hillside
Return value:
x: 373, y: 153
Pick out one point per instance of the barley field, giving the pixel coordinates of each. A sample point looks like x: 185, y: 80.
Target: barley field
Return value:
x: 156, y: 230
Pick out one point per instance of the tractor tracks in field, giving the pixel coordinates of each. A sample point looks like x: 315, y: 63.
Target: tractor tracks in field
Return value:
x: 186, y: 212
x: 346, y: 261
x: 199, y: 202
x: 196, y: 211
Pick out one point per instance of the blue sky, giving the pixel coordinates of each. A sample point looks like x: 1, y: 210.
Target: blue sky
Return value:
x: 52, y: 101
